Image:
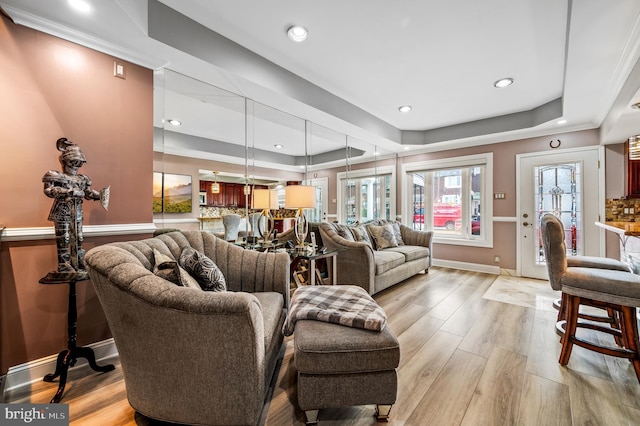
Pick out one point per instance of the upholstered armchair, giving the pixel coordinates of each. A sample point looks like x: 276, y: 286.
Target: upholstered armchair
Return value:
x: 231, y: 223
x: 257, y: 224
x: 191, y: 356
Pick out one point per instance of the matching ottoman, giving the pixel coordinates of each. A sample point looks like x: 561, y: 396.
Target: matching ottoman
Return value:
x: 343, y: 366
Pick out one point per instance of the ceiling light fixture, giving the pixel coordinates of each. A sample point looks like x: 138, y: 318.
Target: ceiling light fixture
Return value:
x: 561, y: 121
x: 278, y: 145
x: 175, y: 122
x: 405, y: 108
x: 297, y: 33
x: 503, y: 82
x: 80, y: 6
x: 636, y: 105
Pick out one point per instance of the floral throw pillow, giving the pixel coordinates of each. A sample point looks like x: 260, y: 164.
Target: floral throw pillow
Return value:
x: 167, y: 268
x: 383, y: 235
x: 203, y: 269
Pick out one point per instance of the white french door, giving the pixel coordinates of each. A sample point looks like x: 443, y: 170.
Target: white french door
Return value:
x: 319, y: 214
x: 568, y: 184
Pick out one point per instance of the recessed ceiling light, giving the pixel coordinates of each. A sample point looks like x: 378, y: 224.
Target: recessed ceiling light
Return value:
x: 80, y: 6
x: 405, y: 108
x: 175, y: 122
x: 406, y: 148
x: 503, y: 82
x: 561, y: 121
x: 297, y: 33
x: 278, y: 146
x: 636, y: 105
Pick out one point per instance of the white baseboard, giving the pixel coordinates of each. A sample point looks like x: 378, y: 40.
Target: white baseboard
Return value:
x: 33, y: 371
x: 465, y: 266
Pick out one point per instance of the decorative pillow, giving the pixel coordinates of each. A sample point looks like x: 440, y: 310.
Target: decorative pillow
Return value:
x: 343, y: 231
x: 397, y: 233
x: 203, y: 269
x: 383, y: 235
x: 169, y: 269
x: 360, y: 234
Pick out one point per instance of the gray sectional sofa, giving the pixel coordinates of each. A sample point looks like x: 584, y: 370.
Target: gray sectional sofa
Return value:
x: 373, y: 259
x: 191, y: 356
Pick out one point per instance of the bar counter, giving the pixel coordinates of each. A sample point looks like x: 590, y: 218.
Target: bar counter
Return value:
x: 629, y: 235
x: 626, y: 229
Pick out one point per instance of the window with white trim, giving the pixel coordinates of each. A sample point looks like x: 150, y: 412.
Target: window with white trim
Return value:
x: 365, y: 195
x: 452, y: 198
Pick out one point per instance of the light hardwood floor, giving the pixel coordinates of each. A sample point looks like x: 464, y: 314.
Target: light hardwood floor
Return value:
x: 468, y: 357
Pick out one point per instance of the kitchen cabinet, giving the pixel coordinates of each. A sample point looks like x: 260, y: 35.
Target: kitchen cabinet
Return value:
x: 230, y: 195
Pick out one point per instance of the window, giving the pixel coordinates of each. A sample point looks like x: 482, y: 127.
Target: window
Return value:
x: 365, y: 195
x: 452, y: 197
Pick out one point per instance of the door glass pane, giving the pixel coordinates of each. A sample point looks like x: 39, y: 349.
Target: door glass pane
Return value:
x: 557, y: 193
x: 315, y: 215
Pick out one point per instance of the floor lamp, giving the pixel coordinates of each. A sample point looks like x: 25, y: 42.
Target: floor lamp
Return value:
x: 265, y: 199
x: 300, y: 197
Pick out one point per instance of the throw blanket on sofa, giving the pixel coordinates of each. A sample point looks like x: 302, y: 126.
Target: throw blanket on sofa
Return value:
x: 347, y: 305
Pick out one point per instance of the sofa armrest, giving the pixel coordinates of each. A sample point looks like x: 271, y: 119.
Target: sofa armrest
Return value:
x: 356, y: 264
x: 418, y: 238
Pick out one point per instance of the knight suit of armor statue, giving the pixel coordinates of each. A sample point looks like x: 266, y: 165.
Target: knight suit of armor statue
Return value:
x: 68, y: 190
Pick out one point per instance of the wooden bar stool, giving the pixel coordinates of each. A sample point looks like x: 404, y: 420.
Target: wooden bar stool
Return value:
x: 616, y: 291
x: 628, y: 332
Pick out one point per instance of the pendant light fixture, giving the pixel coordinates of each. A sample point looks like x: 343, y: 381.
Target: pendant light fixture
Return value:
x: 215, y: 186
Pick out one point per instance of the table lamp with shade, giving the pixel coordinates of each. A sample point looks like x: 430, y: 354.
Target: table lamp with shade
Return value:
x: 265, y: 199
x: 300, y: 197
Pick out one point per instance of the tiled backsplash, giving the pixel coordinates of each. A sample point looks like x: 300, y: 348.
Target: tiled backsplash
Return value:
x: 622, y: 210
x: 221, y: 211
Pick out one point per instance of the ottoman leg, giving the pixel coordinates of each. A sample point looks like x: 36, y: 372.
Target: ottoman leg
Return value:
x: 382, y: 412
x: 312, y: 416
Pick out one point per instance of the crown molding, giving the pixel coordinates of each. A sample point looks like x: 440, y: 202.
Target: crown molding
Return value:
x: 28, y: 19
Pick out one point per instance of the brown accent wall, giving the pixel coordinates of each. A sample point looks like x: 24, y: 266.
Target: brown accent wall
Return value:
x: 51, y: 88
